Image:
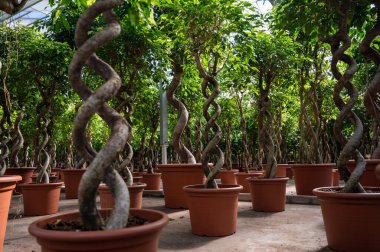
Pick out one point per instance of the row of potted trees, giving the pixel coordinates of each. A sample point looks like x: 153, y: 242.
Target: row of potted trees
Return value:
x: 205, y: 191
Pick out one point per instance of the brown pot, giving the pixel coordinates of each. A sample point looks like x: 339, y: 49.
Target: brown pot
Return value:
x: 213, y: 212
x: 368, y: 178
x: 57, y: 171
x: 377, y: 172
x: 52, y: 178
x: 310, y: 176
x: 175, y: 177
x: 228, y: 177
x: 72, y: 177
x: 41, y: 199
x: 152, y: 181
x: 281, y: 170
x: 268, y: 195
x: 25, y: 173
x: 137, y: 179
x: 289, y: 172
x: 135, y: 195
x: 352, y: 220
x: 335, y: 177
x: 7, y: 184
x: 241, y: 179
x: 132, y: 239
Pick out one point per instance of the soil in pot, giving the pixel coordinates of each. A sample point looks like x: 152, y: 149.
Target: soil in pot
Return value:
x: 352, y: 220
x: 41, y: 199
x: 213, y: 212
x: 132, y: 239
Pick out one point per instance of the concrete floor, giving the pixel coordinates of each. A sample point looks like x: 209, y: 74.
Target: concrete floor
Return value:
x: 298, y: 228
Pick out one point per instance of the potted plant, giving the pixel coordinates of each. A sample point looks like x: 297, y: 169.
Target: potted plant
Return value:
x: 203, y: 199
x: 26, y: 173
x: 357, y: 206
x: 112, y: 235
x: 268, y: 53
x: 188, y: 171
x: 7, y: 182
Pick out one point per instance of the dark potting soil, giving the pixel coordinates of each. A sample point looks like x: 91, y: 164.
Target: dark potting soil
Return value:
x: 60, y: 225
x: 367, y: 189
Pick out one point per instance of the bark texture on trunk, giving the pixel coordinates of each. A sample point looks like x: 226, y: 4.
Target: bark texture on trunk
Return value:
x: 102, y: 164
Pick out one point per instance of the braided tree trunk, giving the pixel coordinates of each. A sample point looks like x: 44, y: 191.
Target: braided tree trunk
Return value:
x: 228, y: 145
x: 340, y: 42
x: 126, y: 106
x: 198, y: 141
x: 53, y: 155
x: 101, y: 164
x: 265, y: 126
x: 374, y: 87
x: 184, y: 154
x: 209, y: 81
x: 42, y: 167
x: 243, y: 125
x: 18, y: 141
x: 5, y: 127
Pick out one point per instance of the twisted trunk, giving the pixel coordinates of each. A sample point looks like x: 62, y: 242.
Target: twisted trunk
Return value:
x: 339, y: 43
x: 265, y: 124
x: 101, y: 164
x: 374, y: 87
x: 18, y: 141
x: 243, y: 125
x: 209, y: 82
x: 184, y: 154
x: 5, y: 127
x: 198, y: 141
x: 228, y: 145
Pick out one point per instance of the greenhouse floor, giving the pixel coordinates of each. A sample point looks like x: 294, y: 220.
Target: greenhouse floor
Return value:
x: 298, y: 228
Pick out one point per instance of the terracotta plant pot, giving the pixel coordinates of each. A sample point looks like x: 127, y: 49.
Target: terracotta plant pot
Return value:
x: 228, y: 177
x: 72, y: 177
x: 132, y: 239
x: 241, y: 179
x: 368, y: 178
x: 135, y: 194
x: 335, y: 177
x: 377, y: 172
x: 25, y: 173
x: 57, y: 171
x: 352, y: 220
x: 41, y: 199
x: 137, y: 179
x: 152, y: 181
x: 7, y: 184
x: 213, y: 212
x: 281, y: 170
x: 52, y: 178
x: 310, y: 176
x: 289, y: 172
x: 268, y: 195
x: 175, y: 177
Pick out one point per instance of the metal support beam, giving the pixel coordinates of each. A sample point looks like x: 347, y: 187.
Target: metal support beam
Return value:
x: 163, y: 125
